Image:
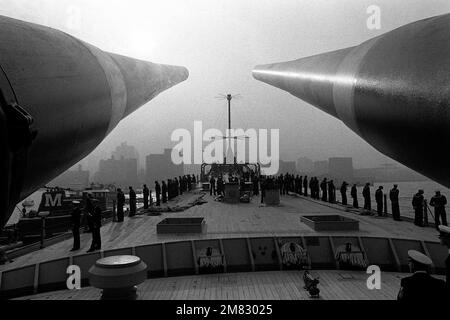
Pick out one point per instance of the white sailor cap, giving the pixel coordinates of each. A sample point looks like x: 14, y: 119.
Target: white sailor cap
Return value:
x: 444, y: 230
x: 419, y: 257
x: 75, y: 202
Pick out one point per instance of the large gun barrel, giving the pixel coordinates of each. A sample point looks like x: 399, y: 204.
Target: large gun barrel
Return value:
x: 59, y: 98
x: 393, y: 91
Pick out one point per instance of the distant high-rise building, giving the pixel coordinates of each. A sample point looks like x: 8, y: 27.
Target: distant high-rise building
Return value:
x: 341, y: 168
x: 121, y: 172
x: 126, y: 152
x: 160, y: 167
x: 305, y: 165
x: 72, y: 179
x: 320, y: 168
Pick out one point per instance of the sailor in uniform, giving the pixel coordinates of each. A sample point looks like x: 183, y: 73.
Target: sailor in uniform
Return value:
x: 158, y: 193
x: 146, y: 193
x: 344, y: 193
x: 421, y: 285
x: 354, y: 194
x: 95, y: 222
x: 445, y: 240
x: 367, y: 198
x: 120, y: 205
x: 132, y: 196
x: 439, y: 202
x: 379, y: 200
x: 76, y: 224
x: 393, y: 196
x: 418, y: 204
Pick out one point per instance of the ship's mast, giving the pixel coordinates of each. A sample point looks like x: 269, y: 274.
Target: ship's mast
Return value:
x: 228, y: 137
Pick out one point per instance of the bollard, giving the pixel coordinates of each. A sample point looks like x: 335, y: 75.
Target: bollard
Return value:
x: 118, y: 276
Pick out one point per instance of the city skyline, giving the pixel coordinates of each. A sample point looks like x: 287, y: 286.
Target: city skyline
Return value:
x: 386, y: 171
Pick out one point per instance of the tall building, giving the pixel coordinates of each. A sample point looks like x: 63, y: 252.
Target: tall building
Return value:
x: 160, y: 167
x: 341, y: 168
x: 122, y: 172
x: 72, y: 179
x: 321, y: 168
x: 126, y: 152
x: 305, y: 165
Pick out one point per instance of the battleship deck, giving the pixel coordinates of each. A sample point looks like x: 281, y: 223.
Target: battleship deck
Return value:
x: 241, y: 237
x: 232, y: 221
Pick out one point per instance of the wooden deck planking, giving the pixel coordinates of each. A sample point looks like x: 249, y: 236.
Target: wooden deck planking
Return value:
x: 273, y: 285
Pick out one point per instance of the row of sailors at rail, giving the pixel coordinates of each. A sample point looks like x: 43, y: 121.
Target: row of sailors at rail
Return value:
x: 172, y: 189
x: 164, y: 192
x: 325, y: 190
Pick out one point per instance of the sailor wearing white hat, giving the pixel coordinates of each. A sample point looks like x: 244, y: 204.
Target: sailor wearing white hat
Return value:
x: 445, y: 240
x: 421, y: 285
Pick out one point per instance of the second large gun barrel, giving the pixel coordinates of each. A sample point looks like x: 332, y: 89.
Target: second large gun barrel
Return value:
x: 393, y: 91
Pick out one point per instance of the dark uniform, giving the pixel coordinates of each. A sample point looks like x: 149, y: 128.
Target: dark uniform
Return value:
x: 323, y: 186
x: 189, y: 182
x: 305, y: 186
x: 255, y: 186
x: 379, y: 200
x: 367, y: 198
x: 158, y: 193
x: 417, y: 204
x: 438, y: 202
x: 181, y: 180
x: 146, y: 193
x: 421, y: 286
x: 344, y: 193
x: 169, y: 190
x: 96, y: 221
x: 212, y: 183
x: 76, y: 224
x: 177, y: 187
x: 354, y: 194
x: 89, y: 208
x: 221, y: 186
x: 164, y: 192
x: 120, y: 205
x: 331, y: 192
x: 393, y: 196
x: 132, y: 203
x: 263, y: 189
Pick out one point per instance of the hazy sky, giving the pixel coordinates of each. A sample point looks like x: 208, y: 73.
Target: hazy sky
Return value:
x: 220, y: 41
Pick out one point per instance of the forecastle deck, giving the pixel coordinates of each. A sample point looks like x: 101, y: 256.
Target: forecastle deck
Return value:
x: 248, y: 237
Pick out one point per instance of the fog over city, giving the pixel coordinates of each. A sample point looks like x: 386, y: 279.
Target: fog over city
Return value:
x: 220, y: 42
